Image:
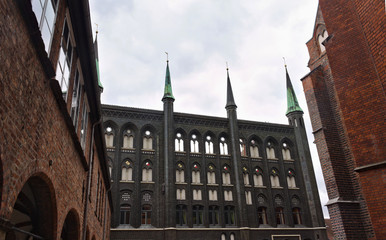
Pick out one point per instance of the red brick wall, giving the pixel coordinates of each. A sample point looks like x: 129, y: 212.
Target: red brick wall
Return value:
x: 34, y: 131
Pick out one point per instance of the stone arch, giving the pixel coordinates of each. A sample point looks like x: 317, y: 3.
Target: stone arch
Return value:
x: 34, y: 210
x: 71, y: 226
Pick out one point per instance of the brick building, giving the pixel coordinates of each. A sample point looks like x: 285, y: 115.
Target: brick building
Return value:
x: 345, y: 93
x: 54, y: 181
x: 184, y: 176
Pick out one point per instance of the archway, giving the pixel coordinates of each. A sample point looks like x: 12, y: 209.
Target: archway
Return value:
x: 70, y: 229
x: 34, y: 212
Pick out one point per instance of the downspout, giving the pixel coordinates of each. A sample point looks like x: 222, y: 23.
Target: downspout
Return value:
x: 89, y: 175
x: 104, y: 221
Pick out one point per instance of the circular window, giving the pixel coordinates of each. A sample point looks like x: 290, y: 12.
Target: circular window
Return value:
x: 147, y: 133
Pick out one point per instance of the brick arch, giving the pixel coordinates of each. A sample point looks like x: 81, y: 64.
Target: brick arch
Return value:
x: 71, y: 226
x: 34, y: 209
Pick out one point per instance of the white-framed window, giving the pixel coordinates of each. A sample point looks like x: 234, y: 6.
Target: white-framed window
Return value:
x: 212, y: 195
x: 196, y: 173
x: 194, y: 144
x: 291, y: 179
x: 209, y: 145
x: 286, y: 152
x: 245, y: 176
x: 248, y: 197
x: 109, y: 137
x: 275, y: 182
x: 63, y: 68
x: 223, y: 146
x: 147, y: 172
x: 128, y: 139
x: 228, y: 196
x: 148, y: 141
x: 45, y: 12
x: 211, y: 175
x: 243, y: 149
x: 226, y: 176
x: 180, y: 173
x: 181, y: 194
x: 127, y: 171
x: 270, y: 151
x: 179, y: 143
x: 258, y: 178
x: 254, y: 149
x: 197, y: 195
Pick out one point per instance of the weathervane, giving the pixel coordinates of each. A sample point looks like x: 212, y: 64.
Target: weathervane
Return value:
x: 96, y: 24
x: 227, y: 65
x: 167, y: 57
x: 285, y: 64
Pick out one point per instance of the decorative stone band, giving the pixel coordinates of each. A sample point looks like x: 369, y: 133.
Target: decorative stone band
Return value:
x: 370, y: 166
x: 338, y: 200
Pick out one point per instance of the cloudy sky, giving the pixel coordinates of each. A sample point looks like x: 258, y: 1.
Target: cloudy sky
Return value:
x: 200, y: 36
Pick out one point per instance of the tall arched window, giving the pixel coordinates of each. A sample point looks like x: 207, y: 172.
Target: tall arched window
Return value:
x: 223, y: 146
x: 214, y: 215
x: 286, y: 152
x: 211, y: 174
x: 109, y: 137
x: 226, y: 175
x: 246, y: 176
x: 248, y: 197
x: 274, y: 178
x: 291, y: 179
x: 258, y: 178
x: 180, y: 173
x: 148, y: 141
x: 279, y: 215
x: 209, y: 145
x: 125, y: 214
x: 179, y: 143
x: 180, y: 194
x: 128, y: 139
x: 196, y: 178
x: 243, y: 149
x: 197, y: 194
x: 127, y: 171
x: 181, y: 215
x: 262, y: 215
x: 254, y: 149
x: 146, y: 214
x: 198, y: 215
x: 229, y: 215
x: 147, y: 173
x: 228, y: 195
x: 270, y: 151
x: 232, y: 237
x: 212, y: 195
x: 296, y: 215
x: 194, y: 144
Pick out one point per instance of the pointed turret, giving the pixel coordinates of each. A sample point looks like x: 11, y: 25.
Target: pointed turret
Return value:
x: 230, y: 99
x: 292, y: 101
x: 97, y: 61
x: 168, y: 84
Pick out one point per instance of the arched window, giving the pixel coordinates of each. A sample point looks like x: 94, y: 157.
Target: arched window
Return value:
x: 214, y: 215
x: 194, y: 144
x: 291, y: 179
x: 146, y: 215
x: 212, y: 195
x: 321, y: 38
x: 196, y: 173
x: 125, y: 214
x: 229, y: 215
x: 258, y: 178
x: 198, y: 215
x: 180, y: 173
x: 270, y: 151
x: 248, y: 197
x: 128, y: 139
x: 232, y: 237
x: 296, y: 215
x: 181, y: 194
x: 209, y: 145
x: 181, y: 215
x: 286, y: 152
x: 148, y: 141
x: 275, y: 178
x: 262, y: 215
x: 254, y: 149
x: 226, y: 175
x: 223, y: 146
x: 127, y: 171
x: 109, y: 137
x: 228, y: 196
x: 211, y: 174
x: 279, y: 215
x: 197, y: 194
x: 246, y: 176
x: 223, y: 236
x: 179, y: 143
x: 147, y: 174
x: 243, y: 149
x: 110, y: 164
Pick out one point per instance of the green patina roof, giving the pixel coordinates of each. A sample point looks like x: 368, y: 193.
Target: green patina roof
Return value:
x: 97, y: 60
x: 292, y: 101
x: 99, y: 78
x: 168, y: 93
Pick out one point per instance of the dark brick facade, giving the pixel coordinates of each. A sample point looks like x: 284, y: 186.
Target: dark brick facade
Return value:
x: 132, y: 193
x: 45, y: 164
x: 346, y: 98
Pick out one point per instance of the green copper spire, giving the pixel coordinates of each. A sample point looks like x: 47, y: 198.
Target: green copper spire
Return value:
x: 230, y: 99
x: 292, y: 101
x: 97, y: 60
x: 168, y: 84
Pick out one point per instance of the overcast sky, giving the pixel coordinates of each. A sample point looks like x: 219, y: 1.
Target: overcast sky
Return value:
x: 200, y: 36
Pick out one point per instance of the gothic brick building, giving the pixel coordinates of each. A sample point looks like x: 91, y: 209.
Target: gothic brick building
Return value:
x: 345, y: 93
x: 184, y: 176
x: 54, y: 181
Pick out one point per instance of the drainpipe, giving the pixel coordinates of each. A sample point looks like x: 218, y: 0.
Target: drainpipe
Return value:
x: 89, y: 175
